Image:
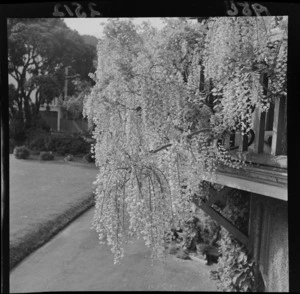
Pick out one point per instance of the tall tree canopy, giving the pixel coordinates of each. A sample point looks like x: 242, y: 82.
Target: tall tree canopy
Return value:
x: 38, y: 52
x: 161, y: 101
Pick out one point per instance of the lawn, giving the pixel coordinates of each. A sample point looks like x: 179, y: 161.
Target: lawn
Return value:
x: 44, y: 197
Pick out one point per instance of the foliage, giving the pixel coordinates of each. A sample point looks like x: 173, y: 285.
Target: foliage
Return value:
x: 73, y: 105
x: 21, y: 152
x: 67, y: 144
x: 161, y: 102
x: 17, y: 132
x: 240, y: 51
x: 46, y: 155
x: 37, y: 139
x: 59, y: 143
x: 196, y: 233
x: 235, y: 270
x: 38, y: 123
x: 90, y: 40
x: 89, y: 157
x: 69, y: 157
x: 12, y: 145
x: 38, y: 52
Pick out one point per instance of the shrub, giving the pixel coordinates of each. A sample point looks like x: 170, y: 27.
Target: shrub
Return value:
x: 69, y: 157
x: 79, y: 146
x: 21, y: 152
x: 46, y: 155
x: 235, y: 272
x: 12, y: 145
x: 236, y: 267
x: 37, y: 139
x: 17, y: 131
x: 89, y: 157
x: 67, y: 144
x: 60, y: 143
x: 35, y: 152
x: 38, y: 122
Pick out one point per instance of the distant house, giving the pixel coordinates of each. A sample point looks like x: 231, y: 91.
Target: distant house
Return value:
x: 53, y: 114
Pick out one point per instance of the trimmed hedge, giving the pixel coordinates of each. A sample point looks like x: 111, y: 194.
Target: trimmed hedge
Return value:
x: 46, y: 156
x: 21, y: 248
x: 37, y: 141
x: 60, y: 143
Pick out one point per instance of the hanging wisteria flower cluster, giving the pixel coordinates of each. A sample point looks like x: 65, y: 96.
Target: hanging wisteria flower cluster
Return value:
x: 155, y: 129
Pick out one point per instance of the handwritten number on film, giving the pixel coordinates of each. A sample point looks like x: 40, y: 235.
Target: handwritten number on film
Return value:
x: 78, y: 10
x: 258, y: 9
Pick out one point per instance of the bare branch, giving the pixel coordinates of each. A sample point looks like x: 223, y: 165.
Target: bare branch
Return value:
x: 161, y: 148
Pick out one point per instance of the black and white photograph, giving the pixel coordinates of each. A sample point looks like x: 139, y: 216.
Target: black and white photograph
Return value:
x: 147, y: 153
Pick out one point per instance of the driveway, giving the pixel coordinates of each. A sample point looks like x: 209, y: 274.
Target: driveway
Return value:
x: 74, y: 261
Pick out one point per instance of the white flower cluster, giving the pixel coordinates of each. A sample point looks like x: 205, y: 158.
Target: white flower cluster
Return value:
x: 152, y: 150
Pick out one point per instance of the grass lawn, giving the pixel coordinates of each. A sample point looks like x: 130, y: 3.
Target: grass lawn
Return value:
x: 44, y: 197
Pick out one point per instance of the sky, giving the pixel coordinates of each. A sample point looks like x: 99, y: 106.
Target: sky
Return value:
x: 92, y: 26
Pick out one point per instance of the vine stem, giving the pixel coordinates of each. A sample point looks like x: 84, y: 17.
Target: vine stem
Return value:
x: 188, y: 136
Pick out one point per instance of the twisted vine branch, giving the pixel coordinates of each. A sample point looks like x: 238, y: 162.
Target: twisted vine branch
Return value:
x: 204, y: 130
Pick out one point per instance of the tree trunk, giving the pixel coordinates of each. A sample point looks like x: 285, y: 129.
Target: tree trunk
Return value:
x: 27, y: 112
x: 36, y: 106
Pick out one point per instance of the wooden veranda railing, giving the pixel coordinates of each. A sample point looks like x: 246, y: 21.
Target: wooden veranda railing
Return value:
x: 269, y: 145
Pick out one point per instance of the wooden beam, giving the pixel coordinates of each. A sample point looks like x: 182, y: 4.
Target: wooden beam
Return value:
x: 278, y: 126
x: 263, y: 158
x: 278, y: 191
x: 225, y: 223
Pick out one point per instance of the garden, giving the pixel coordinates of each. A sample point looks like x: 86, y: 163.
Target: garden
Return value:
x: 161, y: 105
x: 51, y: 172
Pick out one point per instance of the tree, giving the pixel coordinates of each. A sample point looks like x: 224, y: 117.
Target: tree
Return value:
x: 157, y: 128
x: 73, y: 105
x: 38, y: 51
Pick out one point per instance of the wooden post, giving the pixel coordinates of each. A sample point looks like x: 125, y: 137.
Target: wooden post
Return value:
x: 227, y: 141
x: 66, y: 83
x: 270, y: 118
x: 237, y: 138
x: 278, y: 126
x: 58, y: 119
x: 259, y: 119
x: 243, y: 143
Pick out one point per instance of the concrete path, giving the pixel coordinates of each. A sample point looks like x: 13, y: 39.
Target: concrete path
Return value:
x: 74, y: 261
